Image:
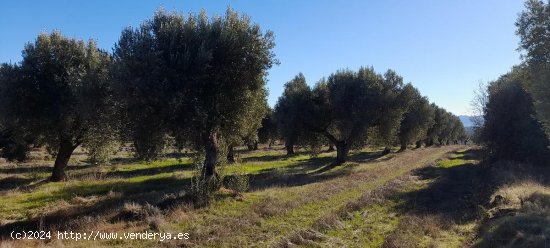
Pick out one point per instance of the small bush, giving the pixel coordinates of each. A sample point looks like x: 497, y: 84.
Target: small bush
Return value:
x: 133, y: 211
x: 100, y: 151
x: 155, y: 222
x: 328, y: 222
x: 202, y: 189
x: 239, y: 182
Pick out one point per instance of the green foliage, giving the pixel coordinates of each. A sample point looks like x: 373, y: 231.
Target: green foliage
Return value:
x: 254, y: 116
x: 510, y: 129
x: 202, y: 189
x: 237, y: 182
x: 346, y: 105
x: 13, y: 146
x: 268, y: 132
x: 14, y: 140
x: 59, y: 95
x: 447, y: 128
x: 100, y: 152
x: 397, y: 101
x: 351, y: 109
x: 199, y: 79
x: 418, y: 118
x: 458, y: 133
x: 289, y: 112
x: 533, y: 28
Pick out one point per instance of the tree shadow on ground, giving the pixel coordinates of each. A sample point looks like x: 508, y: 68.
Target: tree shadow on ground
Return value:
x: 293, y: 175
x: 128, y: 160
x: 151, y: 171
x: 40, y: 168
x: 150, y: 191
x: 358, y: 157
x: 153, y: 191
x: 456, y: 193
x: 270, y: 157
x: 476, y: 154
x: 307, y: 171
x: 14, y: 182
x: 362, y: 157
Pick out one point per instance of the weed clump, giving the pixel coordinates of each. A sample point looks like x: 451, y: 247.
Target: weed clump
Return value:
x: 155, y: 222
x: 132, y: 211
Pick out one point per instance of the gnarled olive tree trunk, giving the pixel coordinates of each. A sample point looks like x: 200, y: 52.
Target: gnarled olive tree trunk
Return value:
x: 342, y: 152
x: 212, y: 155
x: 289, y: 148
x: 64, y: 153
x: 231, y: 154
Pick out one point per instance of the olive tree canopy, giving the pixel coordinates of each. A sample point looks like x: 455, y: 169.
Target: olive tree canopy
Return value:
x: 59, y: 96
x: 348, y: 103
x: 202, y: 79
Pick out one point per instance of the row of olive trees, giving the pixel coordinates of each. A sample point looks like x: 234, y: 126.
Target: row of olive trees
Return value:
x: 196, y: 79
x: 351, y: 109
x: 516, y: 107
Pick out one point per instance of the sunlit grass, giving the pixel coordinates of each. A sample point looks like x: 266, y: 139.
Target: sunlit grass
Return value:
x: 295, y: 207
x: 450, y: 163
x: 131, y: 178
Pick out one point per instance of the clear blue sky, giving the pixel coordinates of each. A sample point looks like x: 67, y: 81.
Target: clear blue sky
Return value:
x: 445, y: 48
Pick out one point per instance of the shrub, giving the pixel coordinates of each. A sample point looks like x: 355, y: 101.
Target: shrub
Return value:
x: 238, y: 182
x: 203, y: 188
x: 132, y: 211
x: 100, y: 152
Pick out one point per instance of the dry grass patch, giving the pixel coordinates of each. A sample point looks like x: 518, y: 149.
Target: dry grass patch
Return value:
x: 519, y: 214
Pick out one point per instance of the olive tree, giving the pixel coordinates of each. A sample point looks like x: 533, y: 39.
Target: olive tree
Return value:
x: 60, y: 96
x: 250, y: 126
x: 457, y: 133
x: 268, y: 132
x: 347, y: 104
x: 397, y: 100
x: 14, y: 139
x: 202, y: 78
x: 290, y: 112
x: 418, y: 118
x: 510, y: 129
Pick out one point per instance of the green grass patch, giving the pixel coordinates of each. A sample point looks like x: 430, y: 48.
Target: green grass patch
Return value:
x: 139, y: 177
x: 451, y: 163
x: 18, y: 206
x: 367, y: 228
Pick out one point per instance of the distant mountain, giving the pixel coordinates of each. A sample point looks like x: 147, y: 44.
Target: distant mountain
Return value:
x: 466, y: 120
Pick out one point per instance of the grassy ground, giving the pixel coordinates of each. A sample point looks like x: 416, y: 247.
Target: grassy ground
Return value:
x: 518, y: 214
x: 414, y: 198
